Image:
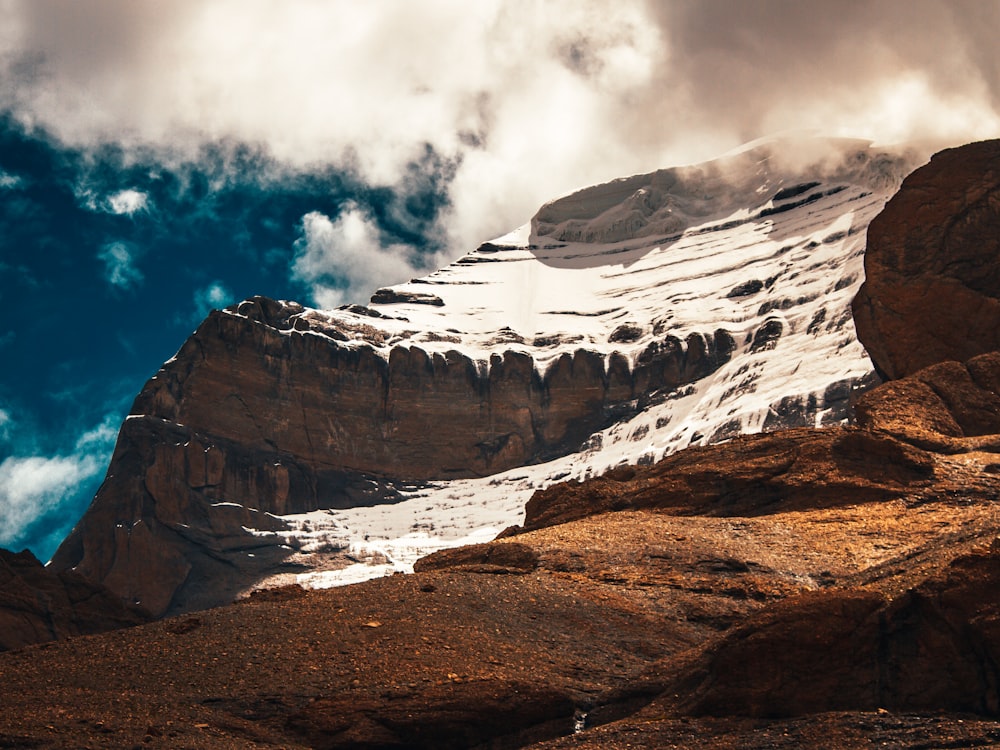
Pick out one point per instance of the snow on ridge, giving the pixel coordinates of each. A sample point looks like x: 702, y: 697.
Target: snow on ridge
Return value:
x: 766, y: 244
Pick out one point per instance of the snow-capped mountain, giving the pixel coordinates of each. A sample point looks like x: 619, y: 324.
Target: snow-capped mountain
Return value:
x: 765, y: 244
x: 623, y: 322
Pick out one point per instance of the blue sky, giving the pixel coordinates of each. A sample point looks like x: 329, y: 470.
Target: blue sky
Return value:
x: 161, y: 159
x: 107, y: 264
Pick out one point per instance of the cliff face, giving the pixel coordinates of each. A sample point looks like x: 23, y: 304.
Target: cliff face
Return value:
x: 566, y: 339
x: 37, y: 605
x: 257, y: 375
x: 932, y: 291
x: 246, y: 424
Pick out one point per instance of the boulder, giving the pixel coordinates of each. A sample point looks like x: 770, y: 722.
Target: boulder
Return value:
x: 932, y: 288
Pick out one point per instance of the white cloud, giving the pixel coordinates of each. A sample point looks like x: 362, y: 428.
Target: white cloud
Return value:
x: 6, y: 424
x: 32, y: 486
x: 128, y: 202
x: 529, y: 99
x: 344, y: 260
x: 9, y: 181
x: 212, y: 297
x: 119, y: 266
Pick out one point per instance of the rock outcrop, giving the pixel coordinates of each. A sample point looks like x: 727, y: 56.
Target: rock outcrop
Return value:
x: 933, y: 648
x: 932, y: 265
x: 37, y: 605
x: 496, y: 362
x: 258, y: 416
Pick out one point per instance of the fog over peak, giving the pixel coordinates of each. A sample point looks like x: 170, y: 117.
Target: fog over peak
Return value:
x: 529, y: 100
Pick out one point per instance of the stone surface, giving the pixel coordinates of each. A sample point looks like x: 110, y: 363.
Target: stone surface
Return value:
x: 256, y: 415
x: 37, y: 605
x: 950, y: 406
x: 637, y: 625
x: 932, y: 288
x: 790, y: 469
x: 933, y: 648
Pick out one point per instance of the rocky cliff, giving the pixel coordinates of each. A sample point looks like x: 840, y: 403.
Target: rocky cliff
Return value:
x: 932, y: 290
x: 37, y: 605
x: 626, y: 321
x: 828, y: 587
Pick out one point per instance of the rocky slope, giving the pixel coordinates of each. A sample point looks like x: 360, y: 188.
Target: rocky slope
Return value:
x: 37, y: 605
x: 625, y: 322
x: 830, y: 587
x: 719, y: 596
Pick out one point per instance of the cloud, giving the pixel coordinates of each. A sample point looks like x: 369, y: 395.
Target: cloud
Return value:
x: 9, y: 181
x: 6, y: 424
x: 214, y: 296
x: 527, y: 100
x: 345, y: 259
x: 119, y: 266
x: 128, y: 202
x: 36, y: 485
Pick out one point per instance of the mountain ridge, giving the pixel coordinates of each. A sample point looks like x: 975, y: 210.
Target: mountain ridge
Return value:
x: 828, y: 585
x: 558, y: 348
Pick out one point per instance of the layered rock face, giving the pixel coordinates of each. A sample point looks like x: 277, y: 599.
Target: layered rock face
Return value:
x: 932, y: 265
x: 590, y: 333
x: 248, y: 422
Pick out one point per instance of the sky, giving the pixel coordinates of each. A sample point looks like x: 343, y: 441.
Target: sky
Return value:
x: 159, y: 160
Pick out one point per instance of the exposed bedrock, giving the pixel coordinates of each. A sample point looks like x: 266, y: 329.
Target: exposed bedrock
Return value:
x: 38, y: 605
x: 933, y: 648
x: 413, y: 416
x: 258, y: 415
x: 932, y: 289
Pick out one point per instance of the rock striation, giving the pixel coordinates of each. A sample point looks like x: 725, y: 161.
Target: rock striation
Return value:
x: 272, y: 410
x: 932, y: 288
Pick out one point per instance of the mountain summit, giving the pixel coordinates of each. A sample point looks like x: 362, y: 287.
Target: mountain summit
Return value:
x: 622, y: 323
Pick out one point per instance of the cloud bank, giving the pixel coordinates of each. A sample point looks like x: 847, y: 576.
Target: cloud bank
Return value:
x: 529, y: 99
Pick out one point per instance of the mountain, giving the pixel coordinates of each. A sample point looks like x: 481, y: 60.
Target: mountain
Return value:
x: 820, y: 586
x: 624, y: 322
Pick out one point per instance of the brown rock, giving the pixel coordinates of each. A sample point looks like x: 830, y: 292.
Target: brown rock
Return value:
x: 256, y: 416
x: 934, y: 648
x: 454, y: 715
x: 750, y: 474
x: 932, y: 289
x: 483, y: 558
x: 37, y: 605
x: 949, y: 407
